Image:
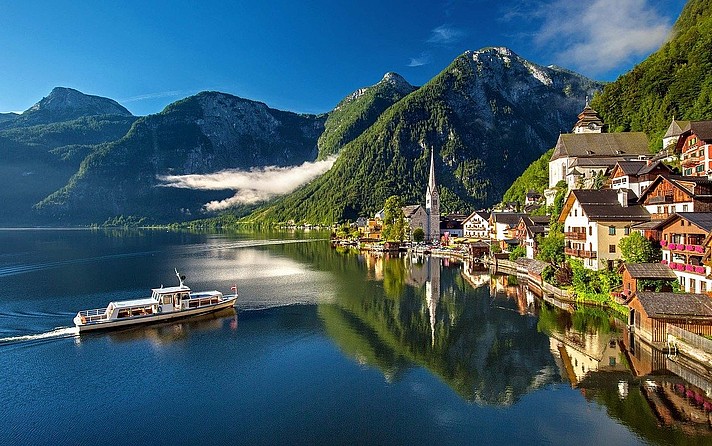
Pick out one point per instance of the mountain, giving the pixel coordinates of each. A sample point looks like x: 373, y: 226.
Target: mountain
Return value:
x: 535, y: 177
x: 42, y: 148
x: 204, y: 133
x: 487, y: 116
x: 359, y: 111
x: 67, y: 104
x: 8, y: 116
x: 675, y: 81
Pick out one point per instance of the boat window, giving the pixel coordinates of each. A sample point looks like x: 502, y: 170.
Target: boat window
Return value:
x: 167, y: 298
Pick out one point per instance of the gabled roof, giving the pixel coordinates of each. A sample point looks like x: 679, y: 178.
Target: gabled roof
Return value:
x: 631, y: 167
x: 652, y: 166
x: 603, y: 205
x: 676, y: 128
x: 409, y: 210
x: 509, y: 218
x: 649, y: 271
x: 629, y: 144
x: 686, y: 305
x: 702, y: 220
x: 703, y: 130
x: 599, y: 161
x: 481, y: 214
x: 694, y: 187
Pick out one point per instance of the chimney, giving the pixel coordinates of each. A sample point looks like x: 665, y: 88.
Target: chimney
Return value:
x: 623, y: 197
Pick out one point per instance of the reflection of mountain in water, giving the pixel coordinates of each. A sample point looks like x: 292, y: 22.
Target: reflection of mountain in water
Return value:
x: 486, y: 354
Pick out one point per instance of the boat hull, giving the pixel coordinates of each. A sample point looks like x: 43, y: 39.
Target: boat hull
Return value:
x: 157, y: 317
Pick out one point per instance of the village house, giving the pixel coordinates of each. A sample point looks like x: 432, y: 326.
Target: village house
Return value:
x: 476, y: 225
x: 682, y: 243
x: 594, y: 223
x: 668, y: 195
x: 583, y: 157
x: 636, y: 175
x: 651, y: 313
x: 645, y: 277
x: 451, y: 225
x: 694, y: 145
x: 503, y: 225
x: 528, y: 229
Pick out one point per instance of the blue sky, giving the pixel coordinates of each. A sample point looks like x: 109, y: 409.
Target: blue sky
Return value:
x: 303, y: 56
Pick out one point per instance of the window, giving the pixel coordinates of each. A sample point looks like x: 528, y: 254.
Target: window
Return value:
x: 612, y: 249
x: 590, y: 230
x: 692, y: 285
x: 684, y: 208
x: 660, y: 209
x: 700, y: 168
x: 626, y: 230
x: 611, y: 230
x: 575, y: 212
x: 688, y: 172
x: 703, y: 286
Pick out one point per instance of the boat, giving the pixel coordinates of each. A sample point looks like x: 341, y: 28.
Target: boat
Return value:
x: 164, y: 304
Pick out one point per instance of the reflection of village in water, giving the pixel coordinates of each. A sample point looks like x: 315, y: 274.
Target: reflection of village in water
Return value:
x: 493, y: 340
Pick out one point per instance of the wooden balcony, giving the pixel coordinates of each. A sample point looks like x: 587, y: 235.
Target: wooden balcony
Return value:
x: 580, y: 253
x: 575, y: 235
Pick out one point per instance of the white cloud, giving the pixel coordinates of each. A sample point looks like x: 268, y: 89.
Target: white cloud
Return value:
x: 253, y: 186
x: 599, y: 35
x: 158, y: 95
x: 423, y: 59
x: 445, y: 34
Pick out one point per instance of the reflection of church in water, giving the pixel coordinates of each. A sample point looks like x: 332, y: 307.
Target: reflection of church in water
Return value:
x: 432, y: 293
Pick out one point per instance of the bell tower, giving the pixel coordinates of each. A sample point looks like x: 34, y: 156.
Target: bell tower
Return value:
x: 432, y: 204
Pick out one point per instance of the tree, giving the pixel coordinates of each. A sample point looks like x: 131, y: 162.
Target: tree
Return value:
x: 393, y: 219
x: 518, y: 252
x: 418, y: 235
x: 637, y: 249
x: 551, y: 247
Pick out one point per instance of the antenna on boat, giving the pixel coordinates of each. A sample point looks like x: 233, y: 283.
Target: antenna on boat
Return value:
x: 180, y: 278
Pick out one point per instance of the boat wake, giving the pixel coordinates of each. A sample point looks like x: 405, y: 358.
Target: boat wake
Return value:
x: 59, y: 332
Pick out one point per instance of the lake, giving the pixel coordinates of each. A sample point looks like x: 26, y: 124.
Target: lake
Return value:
x: 325, y: 347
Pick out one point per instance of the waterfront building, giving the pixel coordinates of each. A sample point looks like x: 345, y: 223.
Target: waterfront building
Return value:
x: 594, y: 223
x: 667, y: 195
x: 476, y: 225
x: 641, y: 276
x: 503, y: 225
x: 651, y: 313
x: 451, y: 225
x: 432, y: 204
x: 682, y: 243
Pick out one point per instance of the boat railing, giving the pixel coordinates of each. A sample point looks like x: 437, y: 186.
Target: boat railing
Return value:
x: 93, y: 315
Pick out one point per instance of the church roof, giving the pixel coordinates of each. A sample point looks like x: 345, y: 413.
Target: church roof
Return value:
x: 589, y: 116
x: 591, y: 145
x: 676, y: 128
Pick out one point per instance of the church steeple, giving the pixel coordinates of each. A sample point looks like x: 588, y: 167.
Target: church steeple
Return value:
x: 589, y: 121
x: 432, y: 203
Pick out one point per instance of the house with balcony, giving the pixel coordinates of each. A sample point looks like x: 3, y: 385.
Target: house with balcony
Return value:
x: 694, y: 145
x: 682, y: 243
x: 528, y: 229
x: 594, y: 223
x: 636, y: 175
x: 476, y: 225
x: 667, y: 195
x: 503, y: 225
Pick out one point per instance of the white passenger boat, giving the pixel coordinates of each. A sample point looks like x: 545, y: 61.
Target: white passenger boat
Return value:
x: 164, y: 304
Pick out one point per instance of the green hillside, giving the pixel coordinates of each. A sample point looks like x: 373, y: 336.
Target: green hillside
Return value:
x: 536, y: 177
x: 675, y: 81
x: 486, y: 116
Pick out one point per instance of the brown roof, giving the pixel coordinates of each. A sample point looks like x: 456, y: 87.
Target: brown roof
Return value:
x: 703, y: 129
x: 649, y: 271
x: 676, y: 128
x: 604, y: 205
x: 689, y: 305
x: 627, y: 144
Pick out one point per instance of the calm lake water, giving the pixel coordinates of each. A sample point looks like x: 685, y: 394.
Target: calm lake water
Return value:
x: 325, y: 347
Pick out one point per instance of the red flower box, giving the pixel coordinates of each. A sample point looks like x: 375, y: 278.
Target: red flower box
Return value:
x: 672, y: 246
x: 700, y: 269
x: 690, y: 247
x: 699, y: 248
x: 664, y: 262
x: 689, y: 268
x: 663, y: 243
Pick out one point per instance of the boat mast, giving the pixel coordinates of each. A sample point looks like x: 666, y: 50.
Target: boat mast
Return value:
x: 180, y: 278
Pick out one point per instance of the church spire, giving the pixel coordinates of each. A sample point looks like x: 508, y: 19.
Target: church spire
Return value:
x: 431, y: 181
x: 432, y: 204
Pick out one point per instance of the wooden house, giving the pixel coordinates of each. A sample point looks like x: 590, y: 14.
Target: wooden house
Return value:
x: 668, y: 195
x: 642, y: 277
x: 682, y: 243
x: 650, y: 313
